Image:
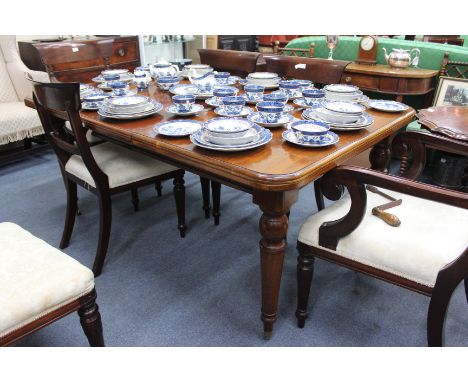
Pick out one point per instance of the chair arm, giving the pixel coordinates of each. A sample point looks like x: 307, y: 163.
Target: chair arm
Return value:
x: 417, y: 142
x: 355, y: 179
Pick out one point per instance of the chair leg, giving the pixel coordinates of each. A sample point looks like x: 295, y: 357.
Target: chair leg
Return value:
x: 318, y: 195
x: 135, y: 199
x: 216, y: 191
x: 90, y: 320
x: 179, y: 195
x: 158, y: 187
x: 105, y: 212
x: 205, y: 186
x: 466, y: 289
x: 305, y: 273
x: 72, y: 207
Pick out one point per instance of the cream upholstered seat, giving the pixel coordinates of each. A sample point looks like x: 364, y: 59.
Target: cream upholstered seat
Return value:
x: 35, y: 278
x: 430, y: 236
x: 121, y: 165
x: 17, y: 121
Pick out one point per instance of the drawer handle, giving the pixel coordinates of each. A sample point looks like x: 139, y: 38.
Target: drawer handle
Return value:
x: 348, y: 80
x: 121, y: 52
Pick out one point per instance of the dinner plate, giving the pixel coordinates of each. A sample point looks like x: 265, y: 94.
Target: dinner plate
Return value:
x: 251, y: 136
x: 206, y: 135
x: 232, y: 80
x: 257, y: 118
x: 183, y: 89
x: 329, y: 139
x: 221, y: 111
x: 388, y: 106
x: 341, y: 88
x: 194, y: 110
x: 124, y: 77
x: 178, y: 127
x: 364, y: 120
x: 156, y: 107
x: 301, y: 103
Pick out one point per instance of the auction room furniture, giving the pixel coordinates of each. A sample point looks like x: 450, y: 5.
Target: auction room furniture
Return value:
x: 272, y: 174
x: 232, y: 61
x: 297, y: 52
x: 40, y: 285
x: 455, y: 69
x: 428, y: 252
x: 81, y: 60
x: 17, y: 122
x: 238, y: 42
x: 449, y: 39
x: 104, y: 169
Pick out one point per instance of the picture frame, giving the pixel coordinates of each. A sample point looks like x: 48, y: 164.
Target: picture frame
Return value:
x: 451, y: 91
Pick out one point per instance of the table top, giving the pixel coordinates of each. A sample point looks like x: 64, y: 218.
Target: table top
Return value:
x: 277, y: 166
x: 388, y: 71
x: 448, y: 120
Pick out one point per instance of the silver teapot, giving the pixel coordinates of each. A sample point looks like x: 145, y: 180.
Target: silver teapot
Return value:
x: 401, y: 58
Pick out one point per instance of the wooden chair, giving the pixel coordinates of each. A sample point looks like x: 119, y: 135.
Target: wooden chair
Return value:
x: 449, y: 39
x: 456, y: 69
x: 66, y: 286
x: 104, y: 169
x: 238, y: 63
x: 413, y: 255
x: 294, y: 52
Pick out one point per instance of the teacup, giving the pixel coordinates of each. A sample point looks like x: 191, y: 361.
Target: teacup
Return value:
x: 165, y: 82
x: 119, y: 88
x: 111, y: 77
x: 277, y: 96
x: 254, y: 93
x: 222, y: 92
x: 290, y: 87
x: 184, y: 102
x: 270, y: 111
x: 222, y: 77
x: 310, y: 131
x: 233, y: 105
x: 313, y: 96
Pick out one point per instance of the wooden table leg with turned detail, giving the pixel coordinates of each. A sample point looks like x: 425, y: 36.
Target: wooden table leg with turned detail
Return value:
x: 381, y: 154
x: 273, y: 226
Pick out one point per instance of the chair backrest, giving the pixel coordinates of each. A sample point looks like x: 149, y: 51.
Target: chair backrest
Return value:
x: 294, y: 52
x: 318, y: 70
x: 236, y: 62
x: 7, y: 89
x: 52, y: 98
x: 66, y: 60
x: 450, y: 40
x: 456, y: 69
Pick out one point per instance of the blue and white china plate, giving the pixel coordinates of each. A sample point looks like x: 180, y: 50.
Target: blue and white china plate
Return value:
x: 302, y: 104
x: 389, y: 106
x: 194, y: 110
x: 91, y: 106
x: 257, y: 118
x: 153, y: 108
x: 258, y: 133
x: 127, y: 77
x: 128, y: 101
x: 212, y: 101
x: 227, y: 125
x: 221, y: 111
x: 251, y: 136
x: 328, y: 139
x: 363, y: 121
x: 178, y: 127
x: 341, y: 88
x: 183, y: 89
x: 141, y: 110
x: 232, y: 80
x: 128, y: 93
x: 344, y: 107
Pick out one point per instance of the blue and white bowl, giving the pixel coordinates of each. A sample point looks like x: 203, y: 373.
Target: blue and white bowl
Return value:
x: 222, y: 77
x: 233, y: 105
x: 270, y: 111
x: 184, y: 103
x: 312, y: 96
x: 165, y: 82
x: 254, y: 93
x: 225, y: 91
x: 277, y: 96
x: 223, y: 127
x: 308, y: 131
x: 344, y: 107
x: 290, y: 87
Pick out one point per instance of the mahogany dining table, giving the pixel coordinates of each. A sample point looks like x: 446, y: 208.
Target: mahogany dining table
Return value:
x: 273, y: 174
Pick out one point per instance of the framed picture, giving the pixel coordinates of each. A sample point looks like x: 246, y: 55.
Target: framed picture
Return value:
x: 452, y: 92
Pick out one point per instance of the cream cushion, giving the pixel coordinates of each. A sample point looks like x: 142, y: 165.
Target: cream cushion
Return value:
x: 430, y: 236
x: 35, y: 278
x: 121, y: 165
x: 17, y: 122
x: 89, y: 134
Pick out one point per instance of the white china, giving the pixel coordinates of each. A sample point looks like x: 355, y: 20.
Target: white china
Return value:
x: 330, y: 116
x: 257, y: 118
x: 363, y: 121
x: 329, y: 139
x: 127, y: 77
x: 178, y: 127
x: 222, y: 112
x: 127, y: 104
x: 162, y: 69
x: 155, y: 109
x: 341, y: 88
x: 195, y: 109
x: 388, y: 106
x: 250, y: 136
x: 197, y: 69
x: 301, y: 102
x: 114, y: 72
x: 222, y: 126
x: 183, y: 89
x: 266, y: 79
x: 342, y: 107
x: 213, y: 101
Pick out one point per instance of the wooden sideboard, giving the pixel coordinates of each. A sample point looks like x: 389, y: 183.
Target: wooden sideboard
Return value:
x: 81, y: 60
x: 385, y: 79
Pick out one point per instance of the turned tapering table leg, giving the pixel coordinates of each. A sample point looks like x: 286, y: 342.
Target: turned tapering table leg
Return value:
x: 381, y: 154
x: 273, y: 229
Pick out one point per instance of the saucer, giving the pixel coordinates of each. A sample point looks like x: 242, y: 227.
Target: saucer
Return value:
x: 388, y: 106
x: 194, y: 110
x: 212, y: 101
x: 328, y: 139
x: 257, y: 118
x: 301, y: 103
x: 222, y: 112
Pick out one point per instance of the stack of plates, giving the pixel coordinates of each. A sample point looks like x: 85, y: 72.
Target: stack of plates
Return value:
x: 266, y: 79
x: 230, y: 134
x: 86, y: 89
x: 340, y: 115
x: 123, y: 75
x: 340, y: 92
x: 129, y: 107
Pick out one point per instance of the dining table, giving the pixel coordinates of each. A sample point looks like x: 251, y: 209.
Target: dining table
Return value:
x: 273, y: 174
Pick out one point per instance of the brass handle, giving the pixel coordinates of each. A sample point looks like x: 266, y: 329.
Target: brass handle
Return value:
x: 348, y: 79
x: 387, y: 217
x: 121, y: 52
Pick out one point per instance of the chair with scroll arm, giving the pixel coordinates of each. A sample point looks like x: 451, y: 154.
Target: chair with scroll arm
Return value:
x: 294, y: 52
x: 104, y: 170
x: 347, y: 233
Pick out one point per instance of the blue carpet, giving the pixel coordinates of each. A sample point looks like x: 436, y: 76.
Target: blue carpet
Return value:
x: 160, y: 290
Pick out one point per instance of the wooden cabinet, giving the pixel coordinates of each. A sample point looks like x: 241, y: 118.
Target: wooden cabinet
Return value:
x: 81, y: 60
